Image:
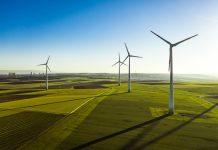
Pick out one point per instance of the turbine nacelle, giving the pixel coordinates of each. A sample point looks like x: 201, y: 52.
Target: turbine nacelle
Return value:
x: 119, y: 62
x: 129, y: 74
x: 171, y: 96
x: 46, y: 64
x: 175, y: 44
x: 172, y: 45
x: 184, y: 40
x: 128, y: 54
x: 47, y: 68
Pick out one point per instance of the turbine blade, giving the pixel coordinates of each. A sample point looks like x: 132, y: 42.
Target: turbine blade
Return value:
x: 127, y: 48
x: 115, y: 63
x: 161, y: 38
x: 121, y: 63
x: 119, y: 56
x: 124, y: 60
x: 184, y: 40
x: 135, y: 56
x: 47, y: 59
x: 49, y: 68
x: 41, y: 64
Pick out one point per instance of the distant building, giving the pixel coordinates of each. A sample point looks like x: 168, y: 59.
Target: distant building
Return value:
x: 12, y: 75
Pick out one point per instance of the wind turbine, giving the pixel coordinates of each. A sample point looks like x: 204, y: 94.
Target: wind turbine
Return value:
x: 47, y: 68
x: 129, y: 76
x: 119, y: 63
x: 171, y: 98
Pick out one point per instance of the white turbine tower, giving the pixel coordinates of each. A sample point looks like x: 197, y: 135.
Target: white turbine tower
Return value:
x: 129, y: 75
x: 46, y: 72
x: 171, y: 98
x: 119, y: 64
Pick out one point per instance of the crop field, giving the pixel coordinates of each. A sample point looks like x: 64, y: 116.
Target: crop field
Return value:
x: 96, y: 114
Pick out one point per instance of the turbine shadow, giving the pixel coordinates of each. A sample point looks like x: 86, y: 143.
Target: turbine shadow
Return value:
x: 165, y: 134
x: 121, y: 132
x: 133, y: 142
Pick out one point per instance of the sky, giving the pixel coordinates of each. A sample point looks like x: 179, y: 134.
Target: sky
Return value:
x: 85, y: 36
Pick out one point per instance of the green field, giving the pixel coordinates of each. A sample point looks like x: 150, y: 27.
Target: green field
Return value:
x: 96, y: 114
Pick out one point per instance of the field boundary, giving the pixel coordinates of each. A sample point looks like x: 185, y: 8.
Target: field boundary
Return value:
x: 79, y: 120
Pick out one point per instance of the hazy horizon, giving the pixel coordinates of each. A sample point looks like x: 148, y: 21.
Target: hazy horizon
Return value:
x: 43, y: 71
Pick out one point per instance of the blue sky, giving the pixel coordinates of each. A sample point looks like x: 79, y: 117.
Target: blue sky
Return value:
x: 87, y: 35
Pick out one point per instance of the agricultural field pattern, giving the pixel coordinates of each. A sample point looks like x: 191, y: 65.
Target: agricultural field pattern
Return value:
x: 97, y: 114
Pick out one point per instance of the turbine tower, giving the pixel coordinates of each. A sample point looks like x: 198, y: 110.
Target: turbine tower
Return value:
x: 129, y: 75
x: 119, y: 63
x: 46, y: 72
x: 171, y: 96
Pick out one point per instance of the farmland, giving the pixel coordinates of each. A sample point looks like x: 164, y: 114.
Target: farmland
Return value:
x: 92, y: 113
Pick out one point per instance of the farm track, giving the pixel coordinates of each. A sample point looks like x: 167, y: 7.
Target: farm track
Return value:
x: 49, y: 103
x: 65, y: 125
